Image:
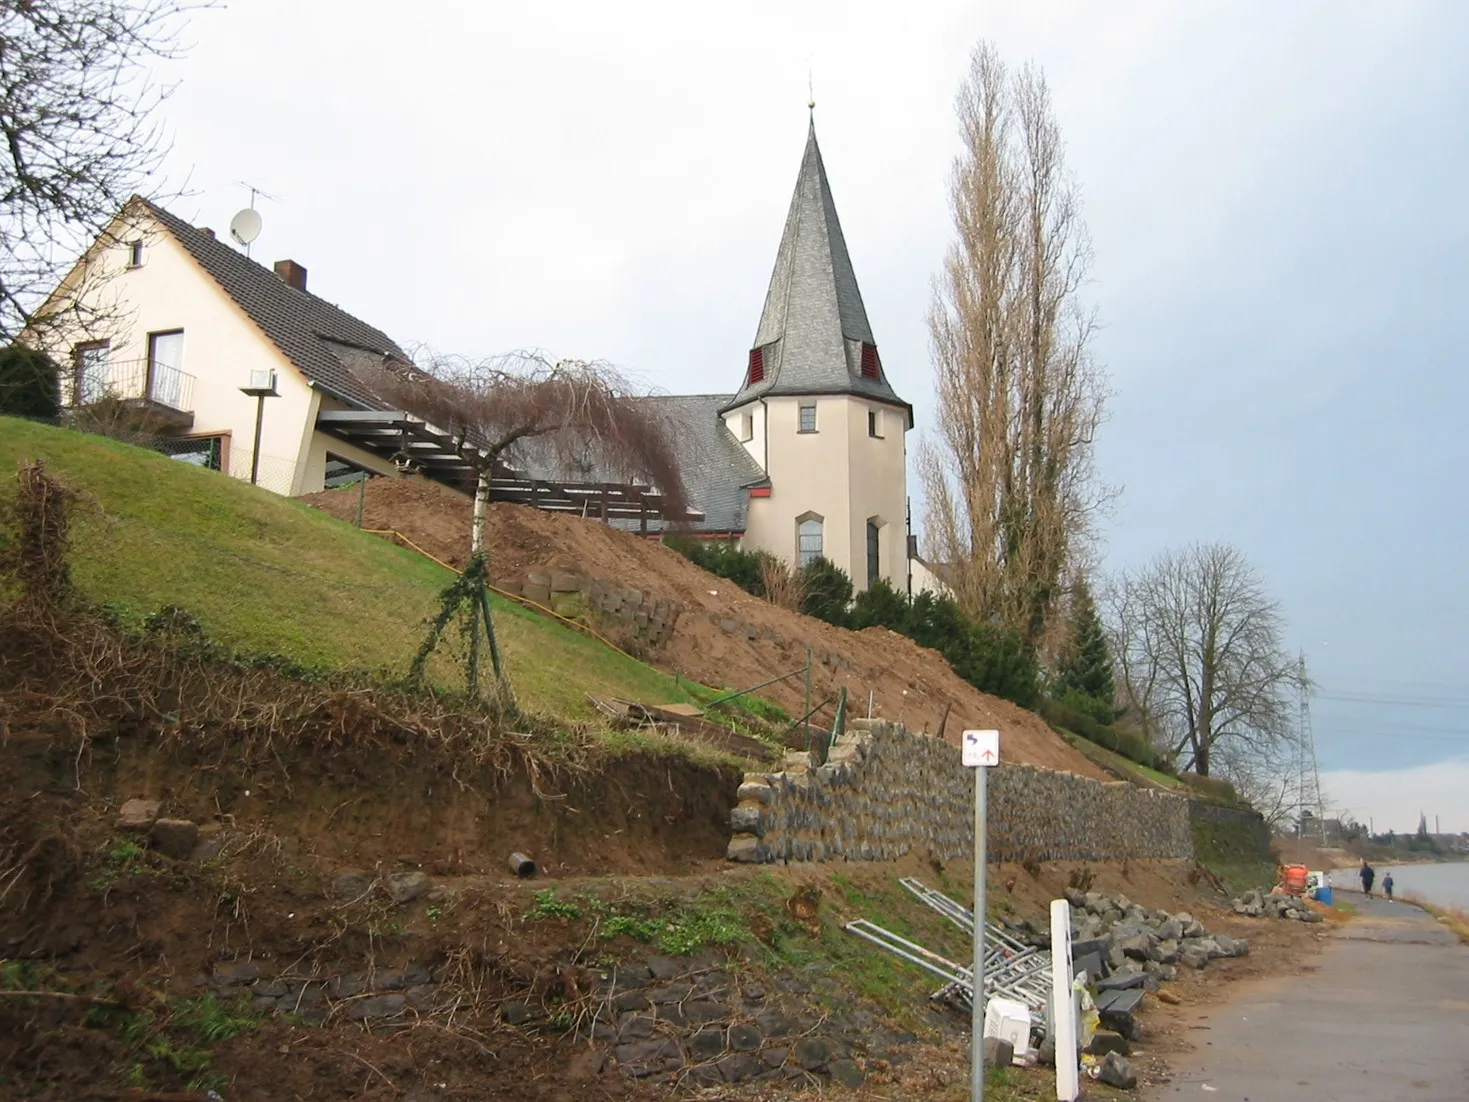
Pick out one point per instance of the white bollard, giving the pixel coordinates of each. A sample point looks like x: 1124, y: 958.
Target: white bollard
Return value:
x: 1063, y: 1004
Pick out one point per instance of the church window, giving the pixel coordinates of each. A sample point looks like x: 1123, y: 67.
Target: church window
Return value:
x: 808, y: 418
x: 757, y: 365
x: 874, y: 550
x: 872, y: 425
x: 809, y: 540
x: 871, y: 366
x: 747, y: 427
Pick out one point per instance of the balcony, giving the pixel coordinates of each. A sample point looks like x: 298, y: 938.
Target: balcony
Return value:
x: 159, y: 398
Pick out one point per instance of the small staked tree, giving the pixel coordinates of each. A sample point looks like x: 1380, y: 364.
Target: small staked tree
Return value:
x: 77, y: 112
x: 1203, y: 657
x: 582, y: 419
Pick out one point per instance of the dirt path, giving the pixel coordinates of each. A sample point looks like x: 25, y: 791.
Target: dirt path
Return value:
x: 1383, y: 1016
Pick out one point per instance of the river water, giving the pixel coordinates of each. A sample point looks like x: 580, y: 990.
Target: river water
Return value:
x: 1446, y: 884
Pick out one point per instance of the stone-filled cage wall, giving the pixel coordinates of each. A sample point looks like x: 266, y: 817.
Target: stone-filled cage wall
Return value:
x: 885, y: 792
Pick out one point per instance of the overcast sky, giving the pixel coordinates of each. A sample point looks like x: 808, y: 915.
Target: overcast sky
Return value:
x: 1275, y: 192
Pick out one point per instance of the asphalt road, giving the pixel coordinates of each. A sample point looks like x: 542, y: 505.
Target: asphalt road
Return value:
x: 1385, y: 1017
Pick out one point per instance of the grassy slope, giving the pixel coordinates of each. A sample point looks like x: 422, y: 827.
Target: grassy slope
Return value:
x: 267, y: 574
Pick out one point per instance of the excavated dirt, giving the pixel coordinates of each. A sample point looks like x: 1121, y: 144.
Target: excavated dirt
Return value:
x: 906, y: 682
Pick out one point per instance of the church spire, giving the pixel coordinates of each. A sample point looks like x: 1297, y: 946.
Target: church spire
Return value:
x: 814, y: 337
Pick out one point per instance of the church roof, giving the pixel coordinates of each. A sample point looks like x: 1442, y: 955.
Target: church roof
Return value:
x: 814, y: 337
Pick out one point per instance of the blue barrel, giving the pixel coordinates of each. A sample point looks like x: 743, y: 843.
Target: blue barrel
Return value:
x: 1323, y: 895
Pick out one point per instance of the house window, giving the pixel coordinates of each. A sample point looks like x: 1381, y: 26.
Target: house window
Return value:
x: 872, y: 425
x: 757, y: 365
x: 808, y: 418
x: 808, y: 540
x: 165, y: 368
x: 874, y: 551
x: 871, y: 365
x: 135, y: 254
x: 89, y: 364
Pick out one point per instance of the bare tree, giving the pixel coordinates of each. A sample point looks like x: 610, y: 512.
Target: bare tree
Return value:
x: 580, y: 419
x: 77, y: 107
x: 1198, y: 641
x: 1011, y: 488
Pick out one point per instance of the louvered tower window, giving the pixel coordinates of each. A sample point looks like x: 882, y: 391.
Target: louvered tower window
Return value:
x: 871, y: 367
x: 757, y: 365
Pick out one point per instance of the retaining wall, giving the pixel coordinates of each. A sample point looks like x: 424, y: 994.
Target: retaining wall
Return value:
x: 577, y: 594
x: 885, y: 793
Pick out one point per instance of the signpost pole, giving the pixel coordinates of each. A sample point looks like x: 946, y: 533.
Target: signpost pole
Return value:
x: 980, y: 751
x: 976, y: 1023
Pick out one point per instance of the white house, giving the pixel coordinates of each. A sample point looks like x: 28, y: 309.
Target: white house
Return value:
x: 180, y: 324
x: 807, y: 457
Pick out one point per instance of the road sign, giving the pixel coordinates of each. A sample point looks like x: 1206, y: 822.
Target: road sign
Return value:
x: 981, y: 749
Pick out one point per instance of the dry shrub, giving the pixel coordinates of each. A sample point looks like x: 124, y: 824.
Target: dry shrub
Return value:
x: 785, y: 588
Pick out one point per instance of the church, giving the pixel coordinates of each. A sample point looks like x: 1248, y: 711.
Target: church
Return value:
x: 808, y: 457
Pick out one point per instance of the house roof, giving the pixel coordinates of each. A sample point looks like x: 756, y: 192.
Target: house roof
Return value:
x: 814, y: 325
x: 322, y: 340
x: 717, y: 470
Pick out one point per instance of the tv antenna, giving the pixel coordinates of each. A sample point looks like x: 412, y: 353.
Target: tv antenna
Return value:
x: 245, y: 226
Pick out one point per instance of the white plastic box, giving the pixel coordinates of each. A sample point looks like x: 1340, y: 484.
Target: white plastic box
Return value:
x: 1009, y: 1021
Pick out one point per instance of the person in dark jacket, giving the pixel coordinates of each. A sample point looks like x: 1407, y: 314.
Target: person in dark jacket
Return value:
x: 1368, y: 874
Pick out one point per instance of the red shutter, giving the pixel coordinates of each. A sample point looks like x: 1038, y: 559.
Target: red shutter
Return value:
x: 757, y: 365
x: 870, y: 366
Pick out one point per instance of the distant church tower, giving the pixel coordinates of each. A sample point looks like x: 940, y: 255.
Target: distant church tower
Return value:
x: 816, y: 410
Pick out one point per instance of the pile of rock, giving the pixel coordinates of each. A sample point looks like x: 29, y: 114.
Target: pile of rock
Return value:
x: 1130, y: 938
x: 1255, y: 904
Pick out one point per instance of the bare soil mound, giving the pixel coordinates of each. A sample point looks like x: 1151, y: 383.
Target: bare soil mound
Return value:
x: 905, y: 682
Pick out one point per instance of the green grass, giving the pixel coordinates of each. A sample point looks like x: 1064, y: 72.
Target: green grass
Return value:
x: 269, y: 575
x: 1232, y: 853
x: 1124, y: 768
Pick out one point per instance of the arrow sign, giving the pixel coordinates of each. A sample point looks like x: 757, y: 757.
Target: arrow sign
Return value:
x: 981, y: 749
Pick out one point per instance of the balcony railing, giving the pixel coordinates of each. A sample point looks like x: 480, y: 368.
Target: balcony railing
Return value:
x: 143, y: 381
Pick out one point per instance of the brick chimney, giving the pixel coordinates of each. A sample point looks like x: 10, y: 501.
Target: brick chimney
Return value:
x: 292, y: 273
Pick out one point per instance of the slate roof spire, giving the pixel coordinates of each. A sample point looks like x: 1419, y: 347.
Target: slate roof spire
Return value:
x: 814, y: 337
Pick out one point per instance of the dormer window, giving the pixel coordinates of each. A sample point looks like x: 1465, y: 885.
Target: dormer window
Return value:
x: 135, y: 254
x: 756, y: 373
x: 747, y: 427
x: 871, y: 366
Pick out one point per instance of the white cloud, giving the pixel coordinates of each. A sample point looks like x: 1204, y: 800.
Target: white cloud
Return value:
x: 1393, y: 799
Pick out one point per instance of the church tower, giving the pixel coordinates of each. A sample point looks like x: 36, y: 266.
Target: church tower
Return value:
x: 816, y: 410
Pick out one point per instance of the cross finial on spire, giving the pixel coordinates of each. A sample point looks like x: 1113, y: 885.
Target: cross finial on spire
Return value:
x: 810, y: 93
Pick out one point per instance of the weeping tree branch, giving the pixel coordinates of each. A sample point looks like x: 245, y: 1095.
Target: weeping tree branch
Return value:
x: 580, y: 419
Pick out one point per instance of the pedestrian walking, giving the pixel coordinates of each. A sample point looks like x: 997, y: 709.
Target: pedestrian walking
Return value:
x: 1368, y: 874
x: 1387, y: 886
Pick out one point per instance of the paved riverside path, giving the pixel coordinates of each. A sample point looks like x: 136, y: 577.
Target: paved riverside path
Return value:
x: 1385, y: 1017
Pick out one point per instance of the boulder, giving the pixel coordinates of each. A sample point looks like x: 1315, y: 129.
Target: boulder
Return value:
x: 1164, y: 952
x: 1194, y: 955
x: 1170, y: 929
x: 998, y: 1052
x: 174, y: 838
x: 137, y: 814
x: 405, y: 887
x: 1105, y: 1041
x: 1117, y: 1072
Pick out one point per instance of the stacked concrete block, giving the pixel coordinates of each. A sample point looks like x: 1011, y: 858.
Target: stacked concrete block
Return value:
x: 885, y: 793
x: 579, y: 596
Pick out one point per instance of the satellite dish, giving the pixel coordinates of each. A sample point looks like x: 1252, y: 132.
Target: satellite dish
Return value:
x: 245, y: 226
